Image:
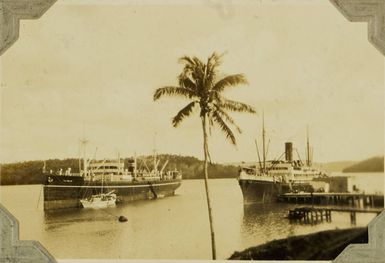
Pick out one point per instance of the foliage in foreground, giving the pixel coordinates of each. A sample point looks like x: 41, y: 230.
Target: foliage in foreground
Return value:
x: 324, y: 245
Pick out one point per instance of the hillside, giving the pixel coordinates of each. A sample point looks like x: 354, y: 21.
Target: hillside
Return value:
x: 30, y: 172
x: 335, y: 166
x: 374, y: 164
x: 191, y: 167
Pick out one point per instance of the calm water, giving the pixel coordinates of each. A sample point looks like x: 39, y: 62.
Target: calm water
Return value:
x: 169, y: 228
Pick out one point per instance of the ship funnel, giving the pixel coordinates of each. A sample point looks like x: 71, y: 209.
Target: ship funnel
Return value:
x: 289, y: 151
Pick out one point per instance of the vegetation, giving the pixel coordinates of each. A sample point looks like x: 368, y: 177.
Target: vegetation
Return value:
x: 31, y: 172
x: 334, y: 166
x: 199, y: 83
x: 324, y: 245
x: 191, y: 167
x: 374, y: 164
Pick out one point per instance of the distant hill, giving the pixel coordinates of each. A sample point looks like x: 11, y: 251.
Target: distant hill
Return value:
x: 335, y: 166
x: 374, y: 164
x: 191, y: 167
x: 30, y: 172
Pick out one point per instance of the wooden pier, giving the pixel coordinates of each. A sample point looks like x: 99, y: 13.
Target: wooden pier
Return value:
x: 317, y: 214
x: 310, y: 215
x: 359, y: 200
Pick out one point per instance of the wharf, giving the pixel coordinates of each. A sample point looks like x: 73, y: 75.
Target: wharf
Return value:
x: 317, y: 214
x: 360, y: 200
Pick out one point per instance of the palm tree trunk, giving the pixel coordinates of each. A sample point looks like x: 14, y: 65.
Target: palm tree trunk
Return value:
x: 206, y: 152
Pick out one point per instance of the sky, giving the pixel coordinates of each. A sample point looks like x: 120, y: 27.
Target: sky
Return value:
x: 91, y: 70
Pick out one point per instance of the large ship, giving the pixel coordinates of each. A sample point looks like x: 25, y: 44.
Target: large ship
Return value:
x: 264, y: 181
x: 66, y: 189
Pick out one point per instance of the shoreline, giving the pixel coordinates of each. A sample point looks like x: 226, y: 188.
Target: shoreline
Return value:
x: 323, y: 245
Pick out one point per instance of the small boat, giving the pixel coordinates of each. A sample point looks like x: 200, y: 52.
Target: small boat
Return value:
x: 100, y: 200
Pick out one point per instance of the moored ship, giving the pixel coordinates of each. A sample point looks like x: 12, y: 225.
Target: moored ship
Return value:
x: 263, y: 184
x: 266, y: 180
x: 65, y: 190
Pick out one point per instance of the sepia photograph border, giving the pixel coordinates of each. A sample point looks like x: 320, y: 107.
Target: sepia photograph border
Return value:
x: 12, y: 11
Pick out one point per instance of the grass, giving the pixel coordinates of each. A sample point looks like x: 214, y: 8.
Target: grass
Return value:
x: 324, y: 245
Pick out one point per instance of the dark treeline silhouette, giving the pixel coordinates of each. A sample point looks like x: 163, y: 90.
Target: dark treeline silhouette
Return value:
x: 191, y: 167
x: 374, y: 164
x: 30, y: 172
x: 323, y: 245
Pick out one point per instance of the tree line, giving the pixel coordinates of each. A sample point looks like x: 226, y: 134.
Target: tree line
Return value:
x: 374, y: 164
x: 31, y: 172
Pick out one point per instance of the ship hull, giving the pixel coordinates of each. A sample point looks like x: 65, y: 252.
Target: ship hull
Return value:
x: 254, y: 191
x: 258, y: 191
x: 66, y: 191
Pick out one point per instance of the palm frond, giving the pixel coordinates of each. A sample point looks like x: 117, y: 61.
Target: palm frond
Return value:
x: 213, y: 62
x: 187, y: 60
x: 228, y: 119
x: 216, y: 97
x: 198, y: 62
x: 236, y: 106
x: 173, y: 91
x: 225, y: 129
x: 183, y: 113
x: 194, y: 70
x: 228, y: 81
x: 191, y: 66
x: 199, y: 69
x: 186, y: 82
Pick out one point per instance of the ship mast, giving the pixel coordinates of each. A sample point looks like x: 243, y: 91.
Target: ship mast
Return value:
x: 120, y: 171
x: 307, y: 147
x: 259, y: 158
x: 84, y: 142
x: 135, y: 165
x: 263, y: 142
x: 80, y: 159
x: 155, y: 157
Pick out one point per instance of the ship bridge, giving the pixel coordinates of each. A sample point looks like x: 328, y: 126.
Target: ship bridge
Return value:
x: 107, y: 168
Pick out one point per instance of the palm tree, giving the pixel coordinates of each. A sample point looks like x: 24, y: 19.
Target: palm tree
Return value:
x: 199, y: 83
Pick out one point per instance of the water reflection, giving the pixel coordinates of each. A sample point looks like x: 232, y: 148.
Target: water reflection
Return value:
x: 81, y: 230
x: 265, y: 222
x: 61, y: 218
x: 174, y: 227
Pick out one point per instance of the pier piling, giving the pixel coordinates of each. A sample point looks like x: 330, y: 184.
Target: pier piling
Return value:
x: 314, y: 215
x: 360, y: 200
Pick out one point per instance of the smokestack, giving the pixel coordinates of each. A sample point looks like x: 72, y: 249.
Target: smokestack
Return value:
x: 289, y: 151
